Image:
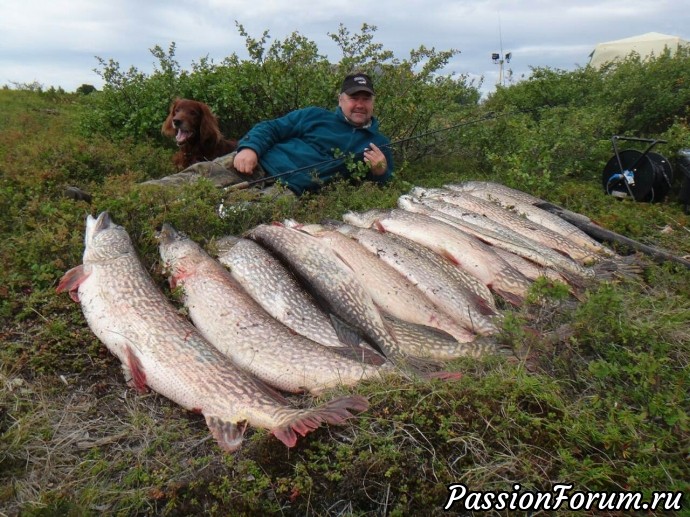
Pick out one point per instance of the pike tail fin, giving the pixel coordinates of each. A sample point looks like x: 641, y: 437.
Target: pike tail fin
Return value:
x: 335, y: 411
x: 622, y: 267
x: 228, y: 435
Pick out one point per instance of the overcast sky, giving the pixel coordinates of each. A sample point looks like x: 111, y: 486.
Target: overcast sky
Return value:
x: 55, y: 42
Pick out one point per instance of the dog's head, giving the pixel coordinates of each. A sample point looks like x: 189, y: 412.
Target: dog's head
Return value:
x: 190, y: 122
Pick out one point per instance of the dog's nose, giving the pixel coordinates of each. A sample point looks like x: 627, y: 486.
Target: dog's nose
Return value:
x: 176, y: 122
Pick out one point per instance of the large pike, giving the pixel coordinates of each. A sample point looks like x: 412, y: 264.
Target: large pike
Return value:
x: 508, y: 218
x: 276, y: 289
x: 461, y: 248
x: 394, y: 293
x: 241, y: 329
x: 331, y: 282
x: 500, y: 236
x: 508, y: 198
x: 160, y: 349
x: 497, y: 188
x: 458, y: 294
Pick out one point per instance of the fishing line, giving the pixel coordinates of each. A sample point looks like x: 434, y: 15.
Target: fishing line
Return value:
x: 489, y: 116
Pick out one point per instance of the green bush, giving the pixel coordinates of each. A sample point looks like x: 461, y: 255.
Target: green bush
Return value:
x: 276, y: 79
x: 649, y: 95
x: 560, y: 123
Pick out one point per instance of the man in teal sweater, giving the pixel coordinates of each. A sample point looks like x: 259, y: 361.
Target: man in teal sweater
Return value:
x: 310, y: 141
x: 306, y: 148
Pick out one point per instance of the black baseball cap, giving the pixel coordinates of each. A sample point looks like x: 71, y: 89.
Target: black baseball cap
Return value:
x: 354, y: 83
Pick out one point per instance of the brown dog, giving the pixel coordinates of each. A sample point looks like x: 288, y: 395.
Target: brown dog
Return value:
x: 196, y: 132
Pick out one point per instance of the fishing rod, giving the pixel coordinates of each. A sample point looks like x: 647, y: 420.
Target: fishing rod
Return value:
x: 489, y: 116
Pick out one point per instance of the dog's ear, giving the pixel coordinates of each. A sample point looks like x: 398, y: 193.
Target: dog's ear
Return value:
x: 167, y: 128
x: 208, y: 126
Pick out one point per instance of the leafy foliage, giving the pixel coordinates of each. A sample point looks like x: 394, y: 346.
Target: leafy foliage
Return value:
x: 567, y: 118
x: 278, y: 78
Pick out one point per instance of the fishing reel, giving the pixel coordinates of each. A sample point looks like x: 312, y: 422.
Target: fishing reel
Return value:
x: 640, y: 175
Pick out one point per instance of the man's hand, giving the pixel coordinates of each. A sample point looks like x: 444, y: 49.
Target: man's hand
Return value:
x: 245, y: 161
x: 376, y: 160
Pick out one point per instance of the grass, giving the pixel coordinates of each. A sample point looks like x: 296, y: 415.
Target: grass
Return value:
x: 605, y: 408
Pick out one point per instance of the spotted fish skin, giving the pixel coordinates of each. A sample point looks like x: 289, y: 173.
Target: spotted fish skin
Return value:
x: 459, y: 294
x: 391, y: 291
x: 271, y: 285
x: 161, y: 350
x: 496, y: 188
x: 500, y: 237
x: 331, y: 282
x: 508, y: 218
x: 241, y: 329
x: 523, y: 204
x: 464, y: 250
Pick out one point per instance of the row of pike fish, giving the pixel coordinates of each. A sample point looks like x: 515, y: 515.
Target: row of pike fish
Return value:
x: 305, y: 307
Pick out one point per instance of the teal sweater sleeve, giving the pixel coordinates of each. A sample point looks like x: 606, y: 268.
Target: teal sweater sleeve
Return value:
x: 307, y: 144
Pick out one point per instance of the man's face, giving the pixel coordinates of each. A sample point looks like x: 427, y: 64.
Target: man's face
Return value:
x: 358, y: 107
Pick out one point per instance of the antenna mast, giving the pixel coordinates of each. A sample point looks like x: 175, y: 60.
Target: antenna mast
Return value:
x: 499, y: 58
